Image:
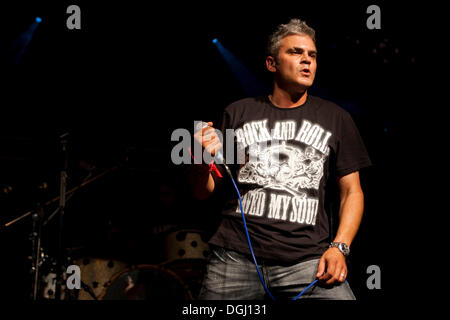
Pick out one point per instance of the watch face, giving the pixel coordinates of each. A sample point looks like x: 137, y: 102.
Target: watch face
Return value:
x: 344, y: 248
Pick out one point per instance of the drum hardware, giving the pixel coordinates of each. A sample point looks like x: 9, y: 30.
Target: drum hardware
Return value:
x: 62, y: 208
x: 146, y: 282
x: 88, y: 290
x: 48, y: 286
x: 187, y: 251
x: 95, y: 275
x: 191, y: 271
x: 186, y: 244
x: 38, y: 217
x: 37, y: 252
x: 48, y: 282
x: 39, y: 220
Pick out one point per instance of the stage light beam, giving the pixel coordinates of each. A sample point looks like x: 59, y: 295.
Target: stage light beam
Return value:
x: 252, y: 85
x: 19, y: 46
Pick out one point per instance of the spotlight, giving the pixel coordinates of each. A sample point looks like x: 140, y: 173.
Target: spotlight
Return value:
x: 19, y: 46
x: 252, y: 85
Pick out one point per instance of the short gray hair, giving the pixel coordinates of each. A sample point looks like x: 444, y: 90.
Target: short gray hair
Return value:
x: 295, y: 26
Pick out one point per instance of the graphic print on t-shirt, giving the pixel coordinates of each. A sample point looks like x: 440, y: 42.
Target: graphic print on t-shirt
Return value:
x: 287, y: 172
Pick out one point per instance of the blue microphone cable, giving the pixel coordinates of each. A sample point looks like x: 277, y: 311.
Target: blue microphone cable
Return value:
x: 200, y: 125
x: 251, y: 247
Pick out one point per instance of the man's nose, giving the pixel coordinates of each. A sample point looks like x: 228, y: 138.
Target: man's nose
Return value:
x: 306, y: 59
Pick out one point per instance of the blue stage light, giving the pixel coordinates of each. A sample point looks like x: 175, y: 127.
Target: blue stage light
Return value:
x: 20, y: 45
x: 252, y: 85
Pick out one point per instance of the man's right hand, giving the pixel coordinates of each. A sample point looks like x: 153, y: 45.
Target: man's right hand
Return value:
x: 208, y: 139
x: 202, y: 181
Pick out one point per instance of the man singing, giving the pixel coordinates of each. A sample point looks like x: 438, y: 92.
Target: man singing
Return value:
x: 294, y: 143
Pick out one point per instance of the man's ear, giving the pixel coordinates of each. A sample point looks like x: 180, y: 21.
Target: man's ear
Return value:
x: 271, y: 64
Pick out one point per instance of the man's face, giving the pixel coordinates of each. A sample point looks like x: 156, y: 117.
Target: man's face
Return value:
x: 296, y: 63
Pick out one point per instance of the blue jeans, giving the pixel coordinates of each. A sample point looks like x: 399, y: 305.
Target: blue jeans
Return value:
x: 231, y: 275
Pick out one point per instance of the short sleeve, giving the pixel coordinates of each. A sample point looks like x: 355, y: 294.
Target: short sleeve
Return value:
x: 224, y: 122
x: 351, y: 153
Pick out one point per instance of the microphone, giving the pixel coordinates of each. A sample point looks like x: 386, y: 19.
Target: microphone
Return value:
x: 219, y: 156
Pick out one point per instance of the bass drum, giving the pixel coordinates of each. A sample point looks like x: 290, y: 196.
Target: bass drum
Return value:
x: 146, y: 282
x: 95, y: 274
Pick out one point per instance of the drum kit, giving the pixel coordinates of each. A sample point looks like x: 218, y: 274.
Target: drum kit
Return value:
x: 178, y: 277
x: 105, y: 276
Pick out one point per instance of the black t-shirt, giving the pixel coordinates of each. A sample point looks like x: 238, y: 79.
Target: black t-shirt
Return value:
x: 292, y: 152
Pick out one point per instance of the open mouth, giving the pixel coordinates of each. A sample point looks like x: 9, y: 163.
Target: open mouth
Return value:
x: 305, y: 72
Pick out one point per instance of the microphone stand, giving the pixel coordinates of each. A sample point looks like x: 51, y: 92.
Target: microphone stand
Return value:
x: 36, y: 248
x: 62, y: 207
x: 39, y: 221
x: 48, y: 203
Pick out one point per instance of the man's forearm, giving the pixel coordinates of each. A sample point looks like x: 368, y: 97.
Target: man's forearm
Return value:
x: 350, y: 215
x: 201, y: 181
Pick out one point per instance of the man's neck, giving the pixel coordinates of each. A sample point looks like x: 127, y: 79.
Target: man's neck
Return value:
x: 284, y: 99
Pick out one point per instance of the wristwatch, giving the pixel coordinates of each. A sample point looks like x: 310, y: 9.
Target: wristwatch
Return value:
x: 342, y: 247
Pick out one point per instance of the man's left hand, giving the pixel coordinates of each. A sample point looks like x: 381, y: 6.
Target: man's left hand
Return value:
x: 333, y: 261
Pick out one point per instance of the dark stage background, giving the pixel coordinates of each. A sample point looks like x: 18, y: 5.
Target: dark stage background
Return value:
x: 135, y: 72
